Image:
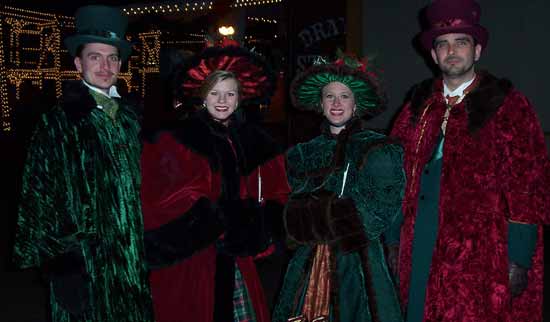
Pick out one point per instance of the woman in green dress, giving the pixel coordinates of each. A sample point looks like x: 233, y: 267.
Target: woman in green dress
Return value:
x: 347, y: 188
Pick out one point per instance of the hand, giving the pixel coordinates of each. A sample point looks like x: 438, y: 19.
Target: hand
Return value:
x: 518, y: 279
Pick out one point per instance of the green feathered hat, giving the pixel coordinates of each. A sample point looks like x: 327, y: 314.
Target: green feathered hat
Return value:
x: 102, y: 24
x: 359, y: 76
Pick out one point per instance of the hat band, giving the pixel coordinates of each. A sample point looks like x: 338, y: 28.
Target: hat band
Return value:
x: 101, y: 33
x: 451, y: 23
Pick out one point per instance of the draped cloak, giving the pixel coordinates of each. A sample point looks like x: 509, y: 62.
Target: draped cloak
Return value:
x: 495, y: 170
x: 80, y: 193
x: 184, y: 164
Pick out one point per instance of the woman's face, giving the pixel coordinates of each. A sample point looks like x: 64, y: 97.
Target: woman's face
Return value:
x: 338, y: 105
x: 221, y: 100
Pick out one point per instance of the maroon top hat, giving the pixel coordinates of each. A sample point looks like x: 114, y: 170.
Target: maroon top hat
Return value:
x: 453, y: 16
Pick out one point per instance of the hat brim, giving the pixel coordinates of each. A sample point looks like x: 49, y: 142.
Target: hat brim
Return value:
x: 305, y: 89
x: 73, y: 42
x: 255, y: 75
x: 480, y: 34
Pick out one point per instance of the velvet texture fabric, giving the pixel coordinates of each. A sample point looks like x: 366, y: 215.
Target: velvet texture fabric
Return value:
x: 192, y: 163
x: 80, y: 213
x: 361, y: 288
x: 494, y: 171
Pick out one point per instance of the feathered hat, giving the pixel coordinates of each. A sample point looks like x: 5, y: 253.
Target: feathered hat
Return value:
x: 256, y: 77
x: 358, y: 75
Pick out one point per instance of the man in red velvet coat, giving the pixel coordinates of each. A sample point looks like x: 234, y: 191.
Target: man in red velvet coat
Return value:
x: 477, y: 190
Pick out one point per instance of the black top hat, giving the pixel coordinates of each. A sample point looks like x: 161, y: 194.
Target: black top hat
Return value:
x: 100, y: 24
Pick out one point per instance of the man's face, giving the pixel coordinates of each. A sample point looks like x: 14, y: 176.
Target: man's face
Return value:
x: 99, y: 65
x: 455, y: 54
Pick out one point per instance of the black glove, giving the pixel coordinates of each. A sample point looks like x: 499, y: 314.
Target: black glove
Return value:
x: 70, y: 281
x: 246, y: 233
x: 518, y: 279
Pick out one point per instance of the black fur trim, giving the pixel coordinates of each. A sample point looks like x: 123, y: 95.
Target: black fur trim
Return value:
x: 273, y: 212
x: 179, y: 239
x: 223, y: 289
x: 78, y: 103
x: 481, y: 104
x: 208, y: 138
x: 484, y: 101
x: 246, y: 233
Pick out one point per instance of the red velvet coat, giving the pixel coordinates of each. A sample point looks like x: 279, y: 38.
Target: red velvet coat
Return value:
x: 175, y: 176
x: 494, y: 171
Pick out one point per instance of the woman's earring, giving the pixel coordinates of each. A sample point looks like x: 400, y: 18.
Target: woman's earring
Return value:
x: 203, y: 104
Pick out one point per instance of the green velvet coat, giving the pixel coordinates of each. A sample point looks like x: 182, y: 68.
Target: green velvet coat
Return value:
x: 363, y: 288
x: 80, y: 196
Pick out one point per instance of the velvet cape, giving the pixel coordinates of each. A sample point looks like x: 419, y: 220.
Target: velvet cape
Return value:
x: 495, y: 170
x: 182, y: 166
x: 361, y: 285
x: 80, y: 196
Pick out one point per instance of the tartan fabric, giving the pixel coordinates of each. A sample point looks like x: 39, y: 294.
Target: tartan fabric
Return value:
x: 242, y: 305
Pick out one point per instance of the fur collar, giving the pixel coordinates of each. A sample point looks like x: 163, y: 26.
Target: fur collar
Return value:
x: 208, y: 138
x: 78, y: 103
x: 481, y: 104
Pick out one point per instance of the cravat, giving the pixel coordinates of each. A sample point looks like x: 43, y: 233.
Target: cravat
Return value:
x: 108, y: 105
x: 451, y: 100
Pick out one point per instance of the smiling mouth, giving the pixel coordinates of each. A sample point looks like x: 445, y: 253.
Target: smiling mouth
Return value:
x: 221, y: 108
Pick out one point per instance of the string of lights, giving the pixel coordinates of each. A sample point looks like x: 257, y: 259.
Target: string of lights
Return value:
x: 250, y: 3
x: 31, y: 49
x: 262, y: 19
x: 163, y: 8
x: 179, y: 7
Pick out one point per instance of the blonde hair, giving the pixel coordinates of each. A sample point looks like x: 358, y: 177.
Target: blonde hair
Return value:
x: 216, y: 77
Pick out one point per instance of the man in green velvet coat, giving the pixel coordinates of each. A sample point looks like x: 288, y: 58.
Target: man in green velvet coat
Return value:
x: 80, y: 215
